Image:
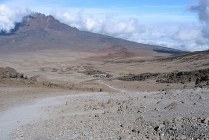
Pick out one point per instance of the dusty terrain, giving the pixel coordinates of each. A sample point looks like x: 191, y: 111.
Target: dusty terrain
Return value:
x: 68, y: 94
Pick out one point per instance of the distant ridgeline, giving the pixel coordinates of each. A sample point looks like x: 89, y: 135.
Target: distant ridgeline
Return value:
x: 170, y: 51
x: 37, y: 31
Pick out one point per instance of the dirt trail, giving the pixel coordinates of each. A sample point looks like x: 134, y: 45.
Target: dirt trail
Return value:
x: 118, y: 90
x: 35, y: 111
x: 21, y: 115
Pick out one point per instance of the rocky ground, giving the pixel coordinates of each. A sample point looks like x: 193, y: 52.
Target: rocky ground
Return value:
x: 200, y: 78
x: 135, y: 98
x: 176, y: 114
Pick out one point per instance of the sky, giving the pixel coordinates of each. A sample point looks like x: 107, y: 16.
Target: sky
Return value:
x: 179, y: 24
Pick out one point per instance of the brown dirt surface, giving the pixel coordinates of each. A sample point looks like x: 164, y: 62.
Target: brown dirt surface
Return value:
x: 62, y: 95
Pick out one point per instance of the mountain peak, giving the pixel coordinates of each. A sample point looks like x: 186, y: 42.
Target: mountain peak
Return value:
x: 40, y: 21
x: 37, y: 22
x: 38, y: 31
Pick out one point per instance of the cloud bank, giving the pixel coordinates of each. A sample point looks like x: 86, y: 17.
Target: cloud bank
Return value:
x: 178, y: 36
x: 107, y: 25
x: 8, y: 17
x: 203, y: 13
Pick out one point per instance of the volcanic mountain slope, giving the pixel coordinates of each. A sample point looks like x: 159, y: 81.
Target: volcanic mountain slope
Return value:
x: 38, y: 31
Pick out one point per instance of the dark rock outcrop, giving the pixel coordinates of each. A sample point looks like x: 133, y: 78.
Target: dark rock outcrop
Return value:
x: 10, y: 73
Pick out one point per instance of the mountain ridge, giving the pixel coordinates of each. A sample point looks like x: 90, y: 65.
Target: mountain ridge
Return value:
x: 37, y: 31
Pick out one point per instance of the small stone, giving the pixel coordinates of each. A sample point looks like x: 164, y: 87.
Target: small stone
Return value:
x: 158, y: 102
x: 156, y: 109
x: 182, y: 102
x: 171, y: 106
x: 133, y: 130
x: 162, y: 136
x: 96, y: 107
x: 183, y: 137
x: 109, y: 101
x: 161, y: 126
x: 166, y: 122
x: 178, y: 119
x: 206, y: 121
x: 105, y: 112
x: 156, y: 128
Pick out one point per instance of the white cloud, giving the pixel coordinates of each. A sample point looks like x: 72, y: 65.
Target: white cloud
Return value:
x: 8, y: 17
x: 202, y: 9
x: 186, y: 34
x: 186, y: 37
x: 107, y: 25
